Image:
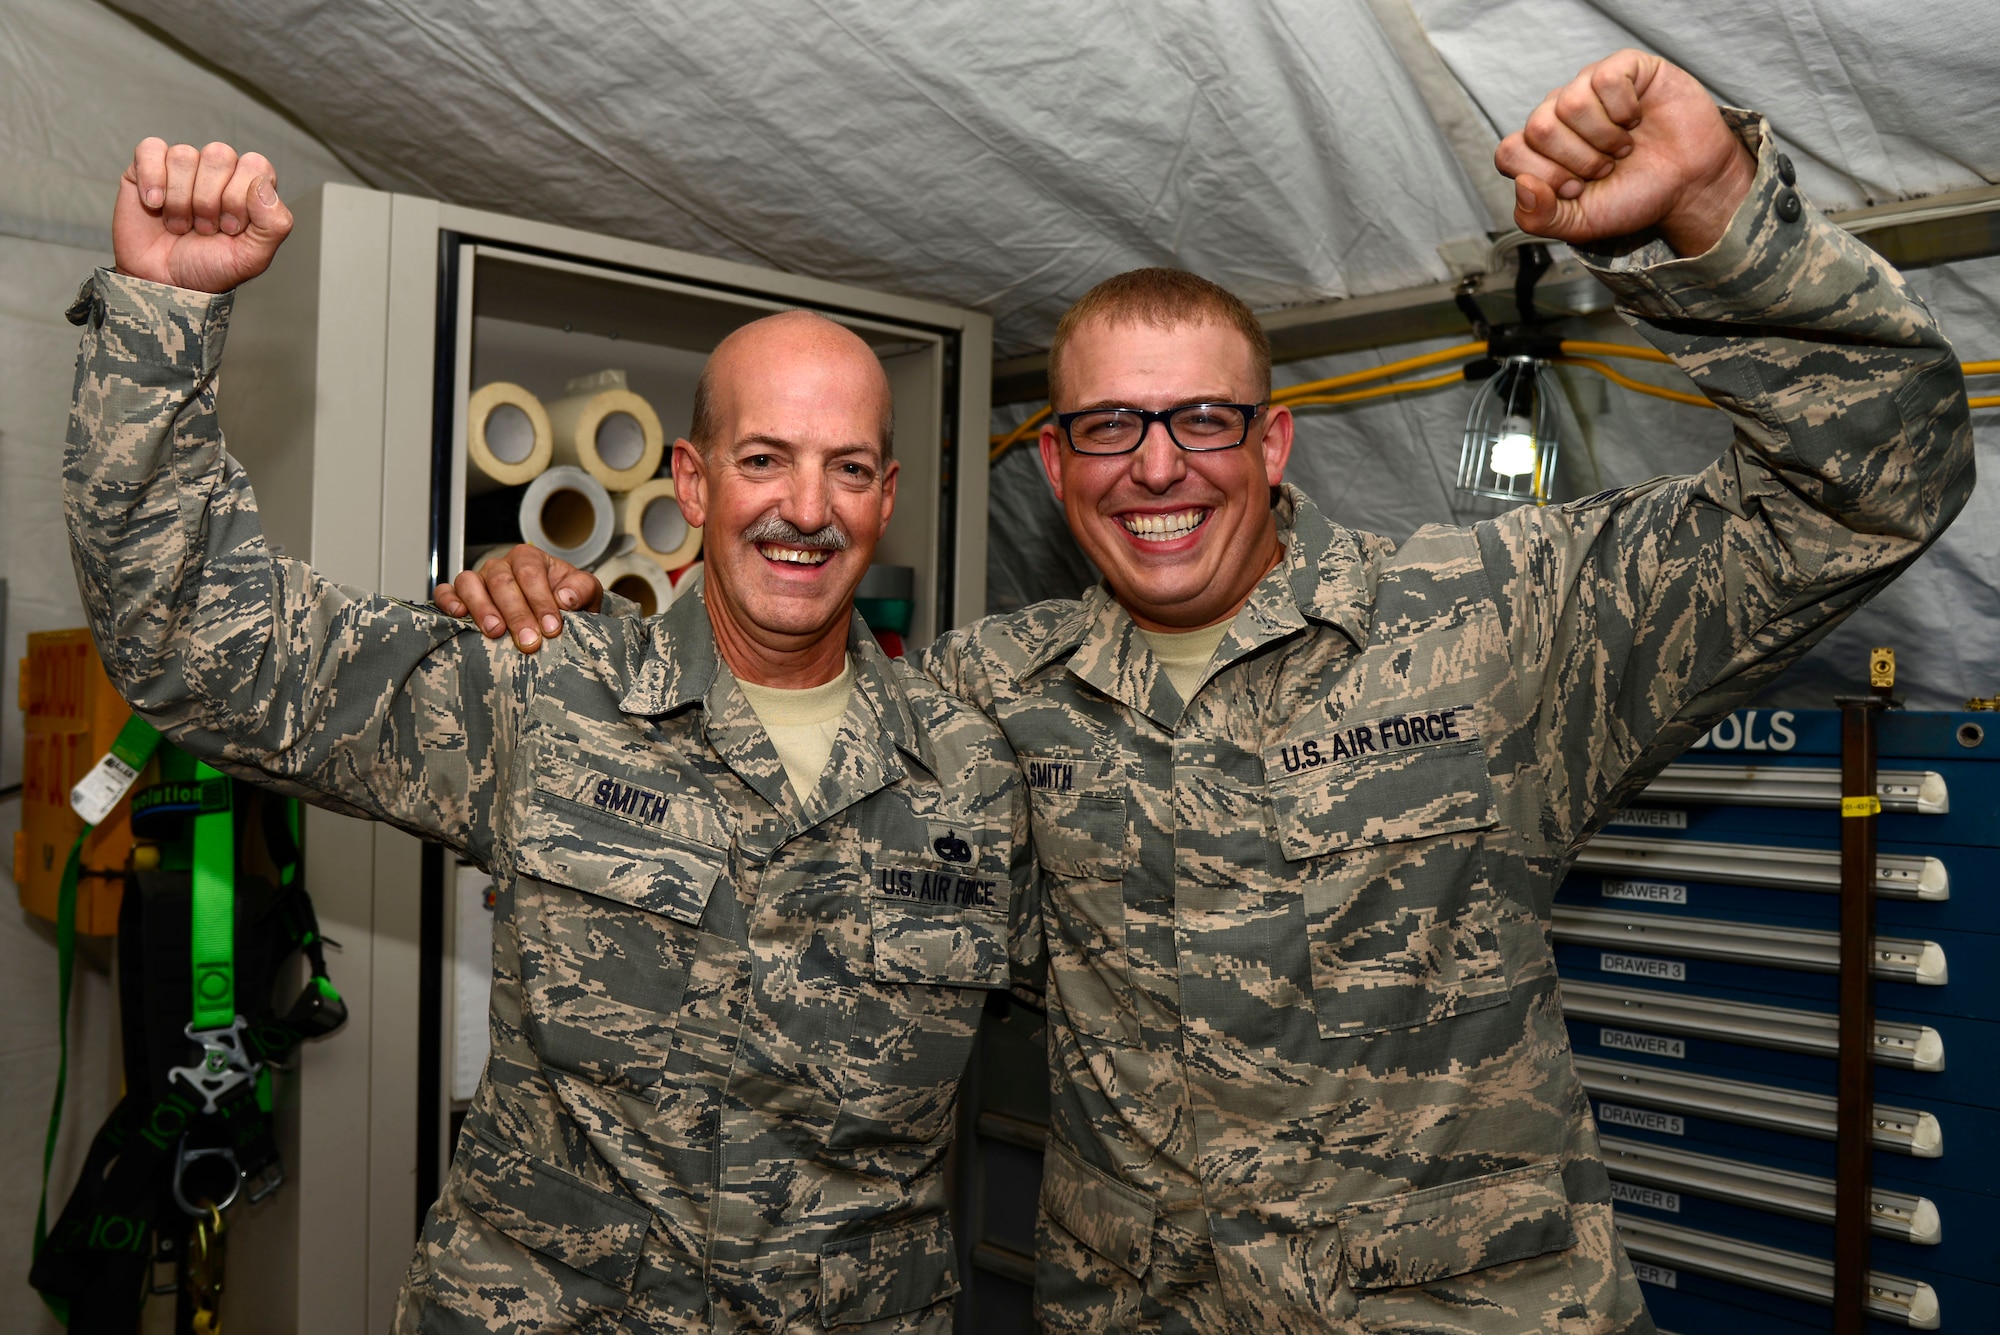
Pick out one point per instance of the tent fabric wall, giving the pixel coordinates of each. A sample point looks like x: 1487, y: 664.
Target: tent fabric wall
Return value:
x: 79, y: 86
x: 998, y: 156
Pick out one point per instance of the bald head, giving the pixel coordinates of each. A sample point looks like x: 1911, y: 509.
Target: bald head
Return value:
x: 779, y: 348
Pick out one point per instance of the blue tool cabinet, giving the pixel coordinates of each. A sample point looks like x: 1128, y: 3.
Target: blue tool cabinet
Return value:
x: 1696, y: 939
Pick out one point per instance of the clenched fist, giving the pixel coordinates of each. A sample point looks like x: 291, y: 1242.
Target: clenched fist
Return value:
x: 1631, y: 143
x: 207, y: 219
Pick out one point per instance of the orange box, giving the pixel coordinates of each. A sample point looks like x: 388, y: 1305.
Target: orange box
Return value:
x: 73, y: 716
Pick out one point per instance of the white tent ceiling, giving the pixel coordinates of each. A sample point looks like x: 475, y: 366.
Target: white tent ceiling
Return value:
x: 1009, y: 156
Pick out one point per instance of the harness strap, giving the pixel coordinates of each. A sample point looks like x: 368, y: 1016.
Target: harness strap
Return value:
x: 212, y: 941
x: 112, y: 776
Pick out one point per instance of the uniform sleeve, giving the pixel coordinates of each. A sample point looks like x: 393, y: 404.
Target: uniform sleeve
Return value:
x: 251, y: 661
x: 1638, y: 617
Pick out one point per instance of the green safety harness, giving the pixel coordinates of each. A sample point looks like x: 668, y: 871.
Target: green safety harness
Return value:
x: 201, y: 942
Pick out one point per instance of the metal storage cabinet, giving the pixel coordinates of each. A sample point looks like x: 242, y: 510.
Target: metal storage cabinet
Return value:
x: 343, y: 393
x: 1692, y: 938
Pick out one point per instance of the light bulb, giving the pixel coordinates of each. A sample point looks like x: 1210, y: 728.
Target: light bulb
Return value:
x: 1515, y: 451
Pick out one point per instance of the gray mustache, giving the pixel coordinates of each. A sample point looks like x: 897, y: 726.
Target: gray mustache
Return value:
x: 832, y: 538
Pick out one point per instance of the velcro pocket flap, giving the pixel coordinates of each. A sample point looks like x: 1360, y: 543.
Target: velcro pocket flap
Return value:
x: 1384, y: 799
x: 1433, y: 1234
x: 654, y: 871
x: 593, y: 1230
x: 1105, y: 1215
x: 886, y: 1274
x: 942, y: 944
x: 1079, y: 833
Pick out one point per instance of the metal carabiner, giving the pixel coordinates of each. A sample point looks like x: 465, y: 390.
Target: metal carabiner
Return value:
x: 225, y: 1063
x: 205, y: 1208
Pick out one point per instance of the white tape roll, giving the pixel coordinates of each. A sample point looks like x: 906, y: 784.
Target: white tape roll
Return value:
x: 508, y: 439
x: 632, y: 576
x: 568, y: 513
x: 650, y: 514
x: 608, y: 431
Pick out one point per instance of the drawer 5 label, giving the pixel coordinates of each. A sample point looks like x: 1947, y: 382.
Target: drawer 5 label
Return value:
x: 1644, y: 1119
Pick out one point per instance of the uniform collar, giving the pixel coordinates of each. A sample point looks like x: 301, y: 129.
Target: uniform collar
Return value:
x: 674, y: 664
x: 1327, y: 574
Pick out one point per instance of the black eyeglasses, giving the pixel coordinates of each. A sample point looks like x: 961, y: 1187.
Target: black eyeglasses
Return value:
x: 1195, y: 427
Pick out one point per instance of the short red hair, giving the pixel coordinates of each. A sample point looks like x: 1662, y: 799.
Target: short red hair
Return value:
x: 1165, y: 299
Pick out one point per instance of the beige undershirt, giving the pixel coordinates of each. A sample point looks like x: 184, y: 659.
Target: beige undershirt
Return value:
x: 802, y: 724
x: 1185, y: 653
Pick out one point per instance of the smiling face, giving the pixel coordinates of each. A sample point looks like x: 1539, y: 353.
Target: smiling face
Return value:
x: 1182, y: 538
x: 793, y: 489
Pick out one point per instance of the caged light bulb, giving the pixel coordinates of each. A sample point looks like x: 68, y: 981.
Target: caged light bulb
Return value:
x: 1515, y: 450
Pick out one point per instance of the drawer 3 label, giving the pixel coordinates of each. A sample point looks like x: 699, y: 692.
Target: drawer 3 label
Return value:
x: 1653, y: 1045
x: 1641, y: 966
x: 1643, y: 1119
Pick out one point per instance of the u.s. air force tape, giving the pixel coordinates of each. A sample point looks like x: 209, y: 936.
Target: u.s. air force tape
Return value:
x: 1386, y: 735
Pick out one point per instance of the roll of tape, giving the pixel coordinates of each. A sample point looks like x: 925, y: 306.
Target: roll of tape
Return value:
x: 633, y: 576
x: 508, y: 438
x: 608, y: 431
x: 568, y: 513
x: 650, y: 514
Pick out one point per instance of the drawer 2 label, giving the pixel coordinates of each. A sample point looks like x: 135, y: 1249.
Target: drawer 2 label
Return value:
x: 1647, y: 892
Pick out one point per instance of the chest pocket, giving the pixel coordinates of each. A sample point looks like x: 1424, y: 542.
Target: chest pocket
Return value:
x: 1401, y: 923
x: 938, y: 898
x: 1079, y: 820
x: 611, y: 923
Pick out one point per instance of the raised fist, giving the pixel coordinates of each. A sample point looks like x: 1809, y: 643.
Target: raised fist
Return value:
x: 1631, y: 143
x: 206, y: 218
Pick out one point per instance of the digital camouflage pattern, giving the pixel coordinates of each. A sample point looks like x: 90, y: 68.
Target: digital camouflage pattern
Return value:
x: 1306, y: 1034
x: 728, y: 1019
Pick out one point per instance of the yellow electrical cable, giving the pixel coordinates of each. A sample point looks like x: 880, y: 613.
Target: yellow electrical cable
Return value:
x: 1456, y: 374
x: 1001, y: 444
x: 1312, y: 393
x: 1289, y: 393
x: 1638, y: 386
x: 1574, y: 347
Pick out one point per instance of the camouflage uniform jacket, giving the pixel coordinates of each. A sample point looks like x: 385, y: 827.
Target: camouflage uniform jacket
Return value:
x: 1302, y: 999
x: 728, y: 1023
